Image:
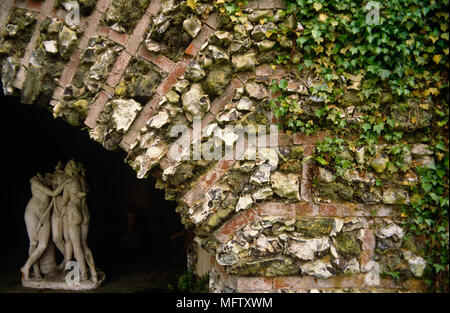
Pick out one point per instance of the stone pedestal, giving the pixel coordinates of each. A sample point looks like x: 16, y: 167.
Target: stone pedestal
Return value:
x: 57, y: 280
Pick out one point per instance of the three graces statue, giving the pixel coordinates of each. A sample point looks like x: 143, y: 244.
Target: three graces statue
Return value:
x: 58, y: 210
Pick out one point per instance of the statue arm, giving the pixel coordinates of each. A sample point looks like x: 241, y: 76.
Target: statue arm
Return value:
x: 81, y: 195
x: 41, y: 187
x: 65, y: 198
x: 58, y: 190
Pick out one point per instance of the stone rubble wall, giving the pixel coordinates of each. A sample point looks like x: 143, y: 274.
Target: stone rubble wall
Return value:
x: 132, y: 70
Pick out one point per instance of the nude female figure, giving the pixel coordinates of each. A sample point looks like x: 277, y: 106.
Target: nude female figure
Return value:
x: 37, y: 220
x: 77, y: 222
x: 59, y: 233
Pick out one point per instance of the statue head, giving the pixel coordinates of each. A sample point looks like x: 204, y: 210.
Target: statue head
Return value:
x: 59, y: 167
x: 71, y: 168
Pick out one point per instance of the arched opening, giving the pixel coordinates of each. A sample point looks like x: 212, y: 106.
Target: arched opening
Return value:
x: 132, y: 225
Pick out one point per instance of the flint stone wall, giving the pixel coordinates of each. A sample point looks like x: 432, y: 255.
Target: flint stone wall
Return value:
x: 132, y: 70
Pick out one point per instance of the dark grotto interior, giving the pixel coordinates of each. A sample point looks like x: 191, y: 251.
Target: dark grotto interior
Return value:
x: 134, y: 232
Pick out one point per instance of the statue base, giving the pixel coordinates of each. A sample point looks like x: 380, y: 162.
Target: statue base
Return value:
x: 57, y: 280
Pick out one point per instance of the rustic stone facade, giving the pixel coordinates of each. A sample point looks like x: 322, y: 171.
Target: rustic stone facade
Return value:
x: 261, y: 225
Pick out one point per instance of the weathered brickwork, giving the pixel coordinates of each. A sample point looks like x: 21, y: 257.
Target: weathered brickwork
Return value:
x: 273, y: 223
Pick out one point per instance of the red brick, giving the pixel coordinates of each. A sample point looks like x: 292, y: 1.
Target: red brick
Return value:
x: 20, y: 77
x: 90, y: 30
x: 388, y: 282
x: 219, y: 267
x: 103, y: 31
x: 95, y: 109
x: 249, y: 284
x: 143, y: 52
x: 59, y: 13
x: 272, y: 139
x: 118, y: 69
x: 306, y: 209
x: 236, y: 223
x: 163, y: 63
x: 34, y: 5
x: 153, y: 8
x: 224, y: 165
x: 252, y: 4
x: 166, y: 162
x: 368, y: 239
x: 415, y: 285
x: 342, y: 281
x: 275, y: 209
x: 207, y: 119
x: 117, y: 37
x: 267, y: 70
x: 305, y: 190
x: 207, y: 180
x: 171, y: 79
x: 136, y: 38
x: 386, y: 211
x: 271, y: 4
x: 284, y: 140
x: 218, y: 103
x: 330, y: 209
x: 354, y: 209
x: 139, y: 123
x: 102, y: 5
x: 213, y: 20
x: 4, y: 13
x: 294, y: 282
x: 70, y: 69
x: 193, y: 195
x: 301, y: 138
x: 365, y: 257
x: 108, y: 89
x: 308, y: 150
x: 245, y: 76
x: 307, y: 168
x: 202, y: 37
x: 191, y: 50
x: 351, y: 209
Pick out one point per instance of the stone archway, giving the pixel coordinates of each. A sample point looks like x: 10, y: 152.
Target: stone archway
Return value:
x: 139, y: 256
x: 131, y: 78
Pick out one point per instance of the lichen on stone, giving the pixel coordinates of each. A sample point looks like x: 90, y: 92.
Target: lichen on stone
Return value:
x: 123, y: 16
x: 139, y: 81
x: 17, y: 33
x: 314, y: 227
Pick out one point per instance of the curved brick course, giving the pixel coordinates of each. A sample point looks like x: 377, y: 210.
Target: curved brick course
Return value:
x: 206, y: 177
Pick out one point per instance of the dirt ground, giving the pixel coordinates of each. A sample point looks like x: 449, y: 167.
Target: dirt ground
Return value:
x: 127, y: 272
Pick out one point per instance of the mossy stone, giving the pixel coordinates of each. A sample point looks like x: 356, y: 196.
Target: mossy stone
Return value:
x: 237, y: 181
x: 314, y: 227
x: 335, y: 190
x: 347, y: 244
x: 219, y: 217
x: 265, y: 267
x: 218, y: 79
x: 32, y: 85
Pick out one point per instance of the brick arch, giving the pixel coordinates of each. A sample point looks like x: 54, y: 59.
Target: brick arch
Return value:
x: 147, y: 149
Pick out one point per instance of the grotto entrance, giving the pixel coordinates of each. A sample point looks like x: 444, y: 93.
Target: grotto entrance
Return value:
x: 132, y: 226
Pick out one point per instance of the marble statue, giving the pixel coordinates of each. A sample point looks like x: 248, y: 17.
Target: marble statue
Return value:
x: 58, y: 210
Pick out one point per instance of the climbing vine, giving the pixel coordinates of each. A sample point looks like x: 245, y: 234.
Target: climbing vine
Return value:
x: 389, y: 65
x: 428, y: 217
x: 375, y: 78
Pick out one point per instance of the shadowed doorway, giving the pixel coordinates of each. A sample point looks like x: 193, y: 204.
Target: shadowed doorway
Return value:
x: 131, y: 223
